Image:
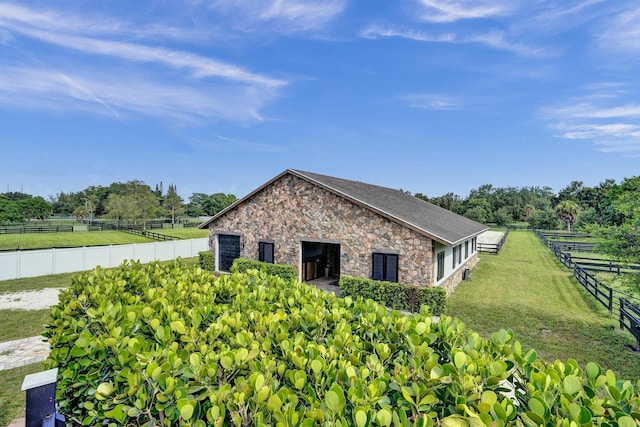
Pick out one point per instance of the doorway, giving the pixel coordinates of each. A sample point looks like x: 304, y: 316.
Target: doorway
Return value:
x: 320, y: 260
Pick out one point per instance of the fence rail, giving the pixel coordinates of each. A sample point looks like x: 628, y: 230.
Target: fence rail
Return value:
x: 601, y: 292
x: 492, y: 248
x: 627, y: 306
x: 36, y: 229
x: 149, y: 234
x: 630, y: 318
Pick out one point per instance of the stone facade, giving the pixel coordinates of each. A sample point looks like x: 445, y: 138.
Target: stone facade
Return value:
x: 291, y: 210
x: 449, y: 284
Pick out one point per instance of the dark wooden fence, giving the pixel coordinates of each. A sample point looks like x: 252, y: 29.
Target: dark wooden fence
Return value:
x: 149, y: 234
x: 627, y: 306
x: 630, y: 318
x: 36, y: 229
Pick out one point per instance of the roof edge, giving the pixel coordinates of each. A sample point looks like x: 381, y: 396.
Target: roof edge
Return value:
x: 240, y: 201
x: 383, y: 213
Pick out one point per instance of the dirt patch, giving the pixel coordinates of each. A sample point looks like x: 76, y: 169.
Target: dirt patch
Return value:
x: 30, y: 300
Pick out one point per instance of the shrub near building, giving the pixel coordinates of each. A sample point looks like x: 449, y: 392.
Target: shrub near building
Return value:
x: 171, y: 345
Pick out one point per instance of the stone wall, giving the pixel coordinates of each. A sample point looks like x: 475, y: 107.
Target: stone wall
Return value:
x: 450, y: 283
x: 291, y: 210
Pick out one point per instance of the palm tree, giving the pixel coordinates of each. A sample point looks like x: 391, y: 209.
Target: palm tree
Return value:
x: 568, y: 212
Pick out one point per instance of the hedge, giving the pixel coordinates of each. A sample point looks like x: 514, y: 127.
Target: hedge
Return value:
x: 205, y: 260
x: 285, y: 271
x: 395, y: 295
x: 173, y: 345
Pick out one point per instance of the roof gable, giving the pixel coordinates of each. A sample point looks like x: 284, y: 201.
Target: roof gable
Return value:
x: 426, y: 218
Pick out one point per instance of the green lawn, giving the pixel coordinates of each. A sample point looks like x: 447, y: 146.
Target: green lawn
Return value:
x: 527, y: 290
x: 35, y: 283
x: 18, y: 324
x: 62, y: 240
x: 184, y: 233
x: 12, y: 399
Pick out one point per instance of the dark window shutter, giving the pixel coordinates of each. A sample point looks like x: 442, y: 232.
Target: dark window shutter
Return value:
x: 268, y: 253
x: 265, y: 252
x: 378, y: 267
x: 392, y: 268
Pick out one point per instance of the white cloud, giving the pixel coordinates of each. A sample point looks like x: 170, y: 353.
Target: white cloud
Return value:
x: 376, y: 31
x: 432, y: 101
x: 495, y: 39
x: 285, y: 16
x: 226, y: 144
x: 621, y: 33
x: 610, y: 123
x: 148, y: 79
x: 499, y: 40
x: 13, y: 15
x: 117, y: 97
x: 443, y: 11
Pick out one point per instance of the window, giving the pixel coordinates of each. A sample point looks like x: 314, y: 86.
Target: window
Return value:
x: 440, y: 274
x: 385, y: 267
x: 473, y: 244
x: 265, y: 250
x: 455, y: 257
x: 466, y: 249
x: 460, y: 253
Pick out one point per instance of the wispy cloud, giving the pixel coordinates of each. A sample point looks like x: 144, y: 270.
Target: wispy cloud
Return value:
x: 97, y: 94
x: 454, y: 10
x: 284, y: 16
x: 12, y: 15
x: 145, y: 78
x: 621, y: 32
x: 612, y: 125
x: 224, y: 143
x: 432, y: 101
x: 377, y: 31
x: 498, y: 40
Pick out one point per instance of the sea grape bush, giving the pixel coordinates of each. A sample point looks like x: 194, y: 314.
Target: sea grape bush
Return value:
x: 284, y: 271
x: 172, y: 345
x: 395, y: 295
x: 205, y: 260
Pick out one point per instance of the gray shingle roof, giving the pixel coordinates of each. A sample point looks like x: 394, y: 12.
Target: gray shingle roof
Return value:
x: 437, y: 223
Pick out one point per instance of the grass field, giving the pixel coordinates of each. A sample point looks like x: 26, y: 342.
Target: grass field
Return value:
x: 527, y: 290
x: 64, y: 240
x: 184, y: 233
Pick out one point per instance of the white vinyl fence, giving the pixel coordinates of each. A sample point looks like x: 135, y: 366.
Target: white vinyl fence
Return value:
x: 15, y: 265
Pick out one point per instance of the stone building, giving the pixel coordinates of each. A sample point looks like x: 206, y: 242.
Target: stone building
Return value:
x: 327, y: 227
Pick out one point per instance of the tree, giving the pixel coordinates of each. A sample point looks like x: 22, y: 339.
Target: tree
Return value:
x: 196, y: 204
x: 81, y: 213
x: 9, y: 210
x: 33, y: 207
x: 543, y: 219
x: 143, y: 201
x: 477, y: 214
x: 568, y: 212
x: 502, y: 217
x: 173, y: 203
x: 118, y: 207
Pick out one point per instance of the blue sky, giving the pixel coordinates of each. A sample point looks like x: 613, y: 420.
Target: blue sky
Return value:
x: 431, y: 96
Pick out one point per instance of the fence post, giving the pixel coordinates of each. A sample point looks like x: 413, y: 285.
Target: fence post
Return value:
x: 610, y: 299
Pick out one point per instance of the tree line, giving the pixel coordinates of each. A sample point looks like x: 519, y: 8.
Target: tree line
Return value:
x: 609, y: 211
x: 133, y: 200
